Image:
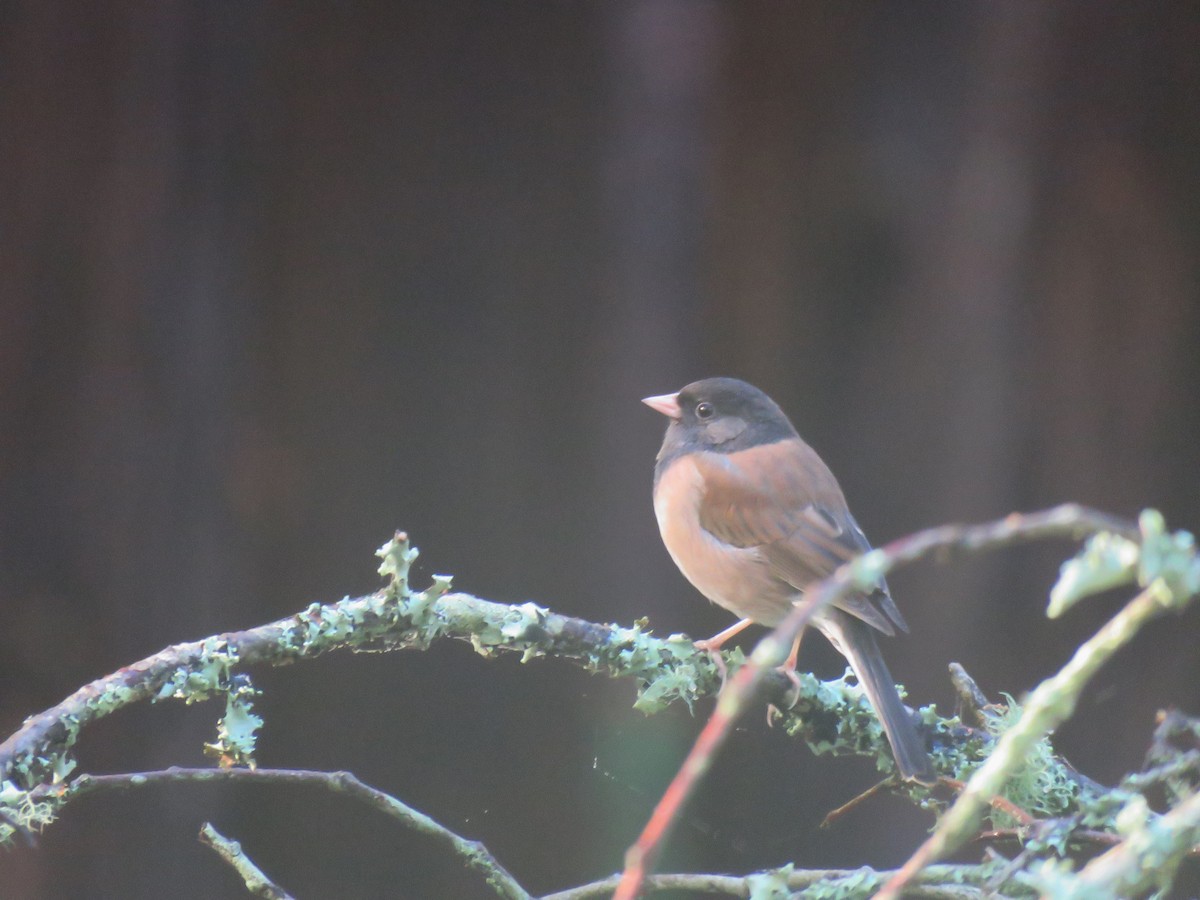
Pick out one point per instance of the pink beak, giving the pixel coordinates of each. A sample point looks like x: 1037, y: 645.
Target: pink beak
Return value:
x: 667, y: 404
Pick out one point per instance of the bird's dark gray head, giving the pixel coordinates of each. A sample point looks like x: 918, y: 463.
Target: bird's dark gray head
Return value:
x: 721, y: 415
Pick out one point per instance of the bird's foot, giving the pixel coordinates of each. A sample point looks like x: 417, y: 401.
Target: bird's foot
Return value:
x: 788, y: 670
x: 714, y: 653
x: 773, y: 711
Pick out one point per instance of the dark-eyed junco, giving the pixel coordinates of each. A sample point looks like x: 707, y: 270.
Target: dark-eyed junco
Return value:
x: 751, y: 515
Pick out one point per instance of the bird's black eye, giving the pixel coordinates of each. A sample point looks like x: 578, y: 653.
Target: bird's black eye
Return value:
x: 704, y: 410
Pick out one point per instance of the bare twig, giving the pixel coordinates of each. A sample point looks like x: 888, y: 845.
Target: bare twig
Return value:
x: 855, y: 802
x: 1082, y: 837
x: 257, y: 883
x: 863, y: 573
x: 1003, y: 804
x: 472, y: 854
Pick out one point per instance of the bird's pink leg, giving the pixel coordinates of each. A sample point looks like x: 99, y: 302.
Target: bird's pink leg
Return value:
x: 789, y: 670
x: 713, y: 645
x: 789, y: 665
x: 718, y: 640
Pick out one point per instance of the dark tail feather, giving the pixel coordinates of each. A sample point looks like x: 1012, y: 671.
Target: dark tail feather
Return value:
x: 856, y: 641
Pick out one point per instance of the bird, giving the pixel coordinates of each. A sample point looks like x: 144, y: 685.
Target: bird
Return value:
x: 752, y: 516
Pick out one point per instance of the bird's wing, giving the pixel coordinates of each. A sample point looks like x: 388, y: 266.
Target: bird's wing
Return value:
x: 783, y: 500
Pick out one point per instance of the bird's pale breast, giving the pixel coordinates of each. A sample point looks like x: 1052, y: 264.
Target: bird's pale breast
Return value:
x: 736, y: 578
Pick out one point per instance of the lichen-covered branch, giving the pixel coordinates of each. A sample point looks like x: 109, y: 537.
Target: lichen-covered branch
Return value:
x: 36, y: 762
x: 1145, y: 861
x: 860, y: 574
x: 1166, y: 567
x: 832, y: 716
x: 395, y: 617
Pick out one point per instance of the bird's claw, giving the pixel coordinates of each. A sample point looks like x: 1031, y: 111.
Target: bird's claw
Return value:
x: 789, y: 672
x: 717, y: 660
x: 773, y: 711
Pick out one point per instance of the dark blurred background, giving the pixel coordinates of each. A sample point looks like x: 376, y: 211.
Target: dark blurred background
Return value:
x: 277, y: 279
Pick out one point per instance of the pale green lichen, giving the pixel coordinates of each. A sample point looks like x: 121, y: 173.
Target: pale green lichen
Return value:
x: 667, y: 670
x: 115, y: 697
x: 771, y: 885
x: 858, y: 885
x: 1106, y: 561
x: 200, y: 678
x: 237, y: 730
x: 991, y: 878
x: 419, y: 611
x: 514, y: 625
x: 1145, y: 863
x: 1053, y: 877
x: 835, y: 717
x: 679, y: 682
x: 398, y: 556
x: 1168, y: 557
x: 209, y: 674
x: 1134, y: 816
x: 394, y: 617
x: 21, y: 811
x: 1109, y: 560
x: 1040, y: 784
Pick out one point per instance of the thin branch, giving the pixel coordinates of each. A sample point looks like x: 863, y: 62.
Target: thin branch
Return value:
x: 854, y: 802
x: 472, y: 854
x: 863, y: 573
x: 959, y: 882
x: 1003, y: 804
x: 257, y: 883
x: 1081, y: 837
